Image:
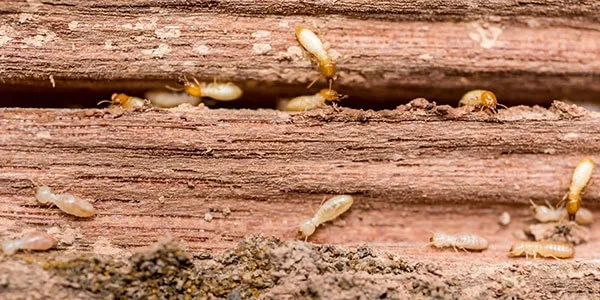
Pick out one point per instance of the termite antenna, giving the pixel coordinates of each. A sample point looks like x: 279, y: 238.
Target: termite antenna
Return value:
x: 330, y: 83
x: 503, y: 106
x: 313, y: 82
x: 198, y: 82
x: 561, y: 203
x: 103, y: 101
x: 174, y: 89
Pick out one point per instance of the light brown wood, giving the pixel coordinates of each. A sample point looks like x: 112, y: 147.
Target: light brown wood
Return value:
x: 161, y: 171
x: 526, y: 52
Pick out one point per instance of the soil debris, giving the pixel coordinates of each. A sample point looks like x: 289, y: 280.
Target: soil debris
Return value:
x: 569, y: 232
x: 250, y: 270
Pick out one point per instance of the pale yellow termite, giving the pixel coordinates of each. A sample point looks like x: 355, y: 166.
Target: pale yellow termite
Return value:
x: 125, y: 101
x: 218, y: 91
x: 480, y: 98
x: 548, y: 213
x: 308, y: 102
x: 36, y: 240
x: 68, y: 203
x: 543, y: 248
x: 465, y: 241
x: 315, y: 47
x: 168, y: 99
x: 581, y: 177
x: 330, y: 210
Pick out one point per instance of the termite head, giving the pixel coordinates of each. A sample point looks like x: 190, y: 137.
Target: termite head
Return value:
x: 192, y: 87
x: 331, y: 95
x: 488, y: 99
x: 119, y: 99
x: 573, y: 205
x: 44, y: 194
x: 541, y: 213
x: 327, y: 68
x: 307, y: 228
x: 440, y: 240
x: 517, y: 249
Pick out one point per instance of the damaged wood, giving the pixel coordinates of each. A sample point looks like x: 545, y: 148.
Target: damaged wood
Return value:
x: 211, y: 177
x: 526, y: 53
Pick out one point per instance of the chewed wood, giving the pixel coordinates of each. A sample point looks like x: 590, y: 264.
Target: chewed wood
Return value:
x: 522, y: 52
x: 410, y: 170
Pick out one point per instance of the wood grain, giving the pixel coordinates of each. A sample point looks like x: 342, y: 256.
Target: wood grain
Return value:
x: 527, y: 52
x: 160, y: 172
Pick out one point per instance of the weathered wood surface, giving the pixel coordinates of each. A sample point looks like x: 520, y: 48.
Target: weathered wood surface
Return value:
x: 160, y: 172
x: 527, y: 52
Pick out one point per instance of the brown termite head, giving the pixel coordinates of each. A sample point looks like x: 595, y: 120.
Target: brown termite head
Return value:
x: 331, y: 95
x: 581, y: 177
x: 327, y: 68
x: 193, y: 88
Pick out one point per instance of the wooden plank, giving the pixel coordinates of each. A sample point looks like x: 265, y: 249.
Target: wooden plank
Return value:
x: 531, y: 57
x: 161, y: 171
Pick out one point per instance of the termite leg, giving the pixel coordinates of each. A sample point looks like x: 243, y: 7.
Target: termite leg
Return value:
x: 464, y: 249
x: 313, y: 82
x: 554, y: 257
x: 326, y: 46
x: 455, y: 250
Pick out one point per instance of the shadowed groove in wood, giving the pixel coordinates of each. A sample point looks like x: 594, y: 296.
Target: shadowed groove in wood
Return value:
x: 528, y: 61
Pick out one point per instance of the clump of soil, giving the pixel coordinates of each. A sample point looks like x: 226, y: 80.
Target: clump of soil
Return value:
x: 257, y: 266
x: 568, y: 232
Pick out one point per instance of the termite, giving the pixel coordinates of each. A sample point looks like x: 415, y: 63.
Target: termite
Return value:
x: 544, y: 248
x: 581, y: 177
x: 36, y: 240
x: 125, y: 101
x: 68, y: 203
x: 482, y: 99
x: 330, y: 210
x: 308, y: 102
x: 548, y: 213
x: 464, y: 241
x: 315, y: 47
x: 218, y: 91
x: 168, y: 99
